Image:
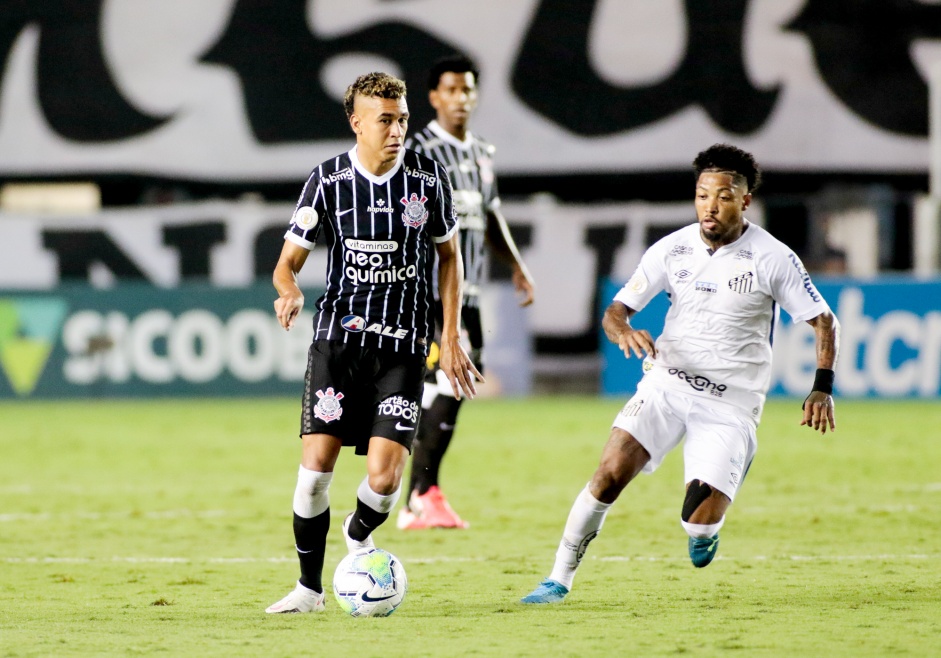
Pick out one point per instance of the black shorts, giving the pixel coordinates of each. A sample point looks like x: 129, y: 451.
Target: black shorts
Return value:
x: 355, y: 393
x: 472, y: 333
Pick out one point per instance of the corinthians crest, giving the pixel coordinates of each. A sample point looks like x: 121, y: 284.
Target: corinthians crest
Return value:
x: 415, y: 213
x: 328, y: 407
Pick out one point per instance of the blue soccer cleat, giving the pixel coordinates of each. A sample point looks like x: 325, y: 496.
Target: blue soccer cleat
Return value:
x: 549, y: 591
x: 703, y: 550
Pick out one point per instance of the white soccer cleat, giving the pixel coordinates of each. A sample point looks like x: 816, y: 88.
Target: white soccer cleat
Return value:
x: 300, y: 599
x: 351, y: 544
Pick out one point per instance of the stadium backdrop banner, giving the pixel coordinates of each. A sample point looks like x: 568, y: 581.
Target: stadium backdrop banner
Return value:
x: 234, y: 244
x: 890, y: 342
x: 566, y: 85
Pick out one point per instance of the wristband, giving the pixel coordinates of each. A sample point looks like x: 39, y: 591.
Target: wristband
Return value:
x: 823, y: 381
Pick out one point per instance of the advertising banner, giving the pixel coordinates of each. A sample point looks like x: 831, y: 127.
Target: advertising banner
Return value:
x: 139, y: 340
x: 890, y: 342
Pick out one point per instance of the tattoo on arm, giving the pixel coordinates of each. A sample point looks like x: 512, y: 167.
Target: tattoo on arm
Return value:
x: 827, y: 334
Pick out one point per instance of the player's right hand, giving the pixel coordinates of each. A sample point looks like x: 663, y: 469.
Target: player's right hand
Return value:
x: 287, y: 308
x: 638, y: 341
x: 459, y: 368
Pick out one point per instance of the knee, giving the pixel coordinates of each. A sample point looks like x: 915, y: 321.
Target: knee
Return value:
x: 385, y: 482
x: 311, y: 497
x: 607, y: 483
x: 623, y: 458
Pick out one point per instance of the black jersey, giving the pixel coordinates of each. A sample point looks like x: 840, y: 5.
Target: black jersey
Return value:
x: 379, y: 232
x: 470, y: 167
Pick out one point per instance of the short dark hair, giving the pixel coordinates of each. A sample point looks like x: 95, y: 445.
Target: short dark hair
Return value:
x: 451, y: 64
x: 729, y: 159
x: 375, y: 85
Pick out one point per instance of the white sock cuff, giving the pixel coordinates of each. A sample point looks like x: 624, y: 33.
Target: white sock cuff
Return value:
x: 699, y: 531
x: 592, y: 503
x: 312, y: 494
x: 428, y: 394
x: 380, y: 503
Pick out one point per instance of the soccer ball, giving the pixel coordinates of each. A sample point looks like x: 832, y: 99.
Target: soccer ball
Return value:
x: 370, y: 582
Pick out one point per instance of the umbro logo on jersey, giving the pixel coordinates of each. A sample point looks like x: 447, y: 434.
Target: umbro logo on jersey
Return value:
x: 353, y: 323
x: 682, y: 274
x: 742, y: 283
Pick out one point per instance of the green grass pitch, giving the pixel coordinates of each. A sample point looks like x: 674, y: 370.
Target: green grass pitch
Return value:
x: 163, y: 528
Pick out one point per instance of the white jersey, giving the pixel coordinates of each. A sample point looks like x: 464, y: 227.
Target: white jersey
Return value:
x: 716, y: 340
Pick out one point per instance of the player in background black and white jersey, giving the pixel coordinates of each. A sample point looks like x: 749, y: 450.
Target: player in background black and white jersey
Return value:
x: 707, y: 375
x: 452, y: 85
x: 383, y: 213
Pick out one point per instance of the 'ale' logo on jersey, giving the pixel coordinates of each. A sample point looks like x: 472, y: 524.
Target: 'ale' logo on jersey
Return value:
x: 415, y: 213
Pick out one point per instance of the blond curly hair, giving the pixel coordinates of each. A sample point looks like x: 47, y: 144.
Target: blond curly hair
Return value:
x: 375, y: 85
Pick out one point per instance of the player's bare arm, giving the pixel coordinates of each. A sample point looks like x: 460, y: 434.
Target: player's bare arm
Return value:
x: 290, y: 299
x: 617, y: 327
x: 818, y: 407
x: 454, y: 361
x: 501, y: 241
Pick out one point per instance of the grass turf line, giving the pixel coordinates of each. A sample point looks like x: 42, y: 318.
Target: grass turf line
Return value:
x: 830, y: 549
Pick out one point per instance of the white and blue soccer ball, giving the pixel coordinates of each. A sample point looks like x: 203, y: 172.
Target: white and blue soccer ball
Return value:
x: 370, y: 582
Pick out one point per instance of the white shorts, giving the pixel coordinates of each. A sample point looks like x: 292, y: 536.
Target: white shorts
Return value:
x: 720, y: 440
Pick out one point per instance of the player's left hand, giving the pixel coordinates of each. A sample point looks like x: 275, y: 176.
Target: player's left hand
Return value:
x: 818, y: 412
x: 524, y: 286
x: 460, y: 370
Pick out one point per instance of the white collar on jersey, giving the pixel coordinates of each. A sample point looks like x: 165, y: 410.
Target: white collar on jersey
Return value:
x: 444, y: 135
x: 378, y: 180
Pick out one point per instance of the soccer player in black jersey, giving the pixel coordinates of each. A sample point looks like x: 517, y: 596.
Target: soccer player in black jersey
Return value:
x: 452, y: 84
x: 383, y: 212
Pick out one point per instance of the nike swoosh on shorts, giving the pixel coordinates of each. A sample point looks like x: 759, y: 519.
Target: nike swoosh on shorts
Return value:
x: 401, y: 427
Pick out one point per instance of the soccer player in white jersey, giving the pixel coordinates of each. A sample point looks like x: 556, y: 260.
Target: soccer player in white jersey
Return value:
x: 708, y: 372
x: 452, y: 85
x: 384, y: 213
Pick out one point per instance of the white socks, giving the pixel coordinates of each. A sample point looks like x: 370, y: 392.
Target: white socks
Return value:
x: 584, y: 523
x: 699, y: 531
x: 382, y: 504
x: 312, y: 495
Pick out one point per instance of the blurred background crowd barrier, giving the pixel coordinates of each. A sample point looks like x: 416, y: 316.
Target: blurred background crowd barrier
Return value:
x: 151, y: 155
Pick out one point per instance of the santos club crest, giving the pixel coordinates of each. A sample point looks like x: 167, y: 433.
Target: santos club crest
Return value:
x: 328, y: 407
x: 415, y: 213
